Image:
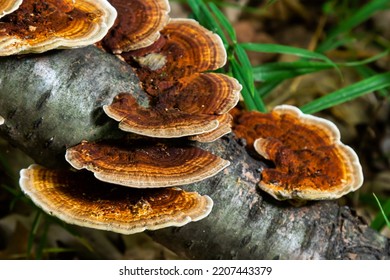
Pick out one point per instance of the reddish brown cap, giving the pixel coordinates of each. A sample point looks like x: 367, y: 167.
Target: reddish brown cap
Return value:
x: 145, y: 164
x: 191, y: 107
x: 185, y: 48
x: 8, y: 6
x: 204, y: 93
x: 78, y: 198
x: 310, y: 161
x: 224, y: 127
x: 41, y: 26
x: 138, y: 24
x: 183, y: 100
x: 157, y: 121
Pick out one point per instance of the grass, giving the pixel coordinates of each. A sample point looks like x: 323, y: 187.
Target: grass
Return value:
x: 260, y: 81
x: 381, y: 219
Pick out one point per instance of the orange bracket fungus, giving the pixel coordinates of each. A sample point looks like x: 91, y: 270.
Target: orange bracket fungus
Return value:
x: 138, y: 24
x: 145, y: 164
x: 136, y: 174
x: 78, y: 198
x: 224, y: 127
x: 310, y: 161
x: 185, y: 48
x: 183, y: 100
x: 38, y: 26
x: 188, y: 109
x: 8, y: 6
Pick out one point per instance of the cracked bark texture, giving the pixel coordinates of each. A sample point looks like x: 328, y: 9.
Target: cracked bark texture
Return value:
x: 54, y: 100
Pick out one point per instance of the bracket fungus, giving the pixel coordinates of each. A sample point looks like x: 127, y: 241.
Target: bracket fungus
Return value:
x: 184, y: 101
x: 224, y: 127
x: 193, y: 107
x: 145, y: 164
x: 8, y: 6
x: 38, y: 26
x: 78, y: 198
x: 185, y: 48
x: 137, y: 25
x: 1, y: 120
x: 310, y: 161
x: 131, y: 189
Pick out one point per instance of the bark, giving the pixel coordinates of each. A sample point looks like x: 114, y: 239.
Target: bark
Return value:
x: 54, y: 100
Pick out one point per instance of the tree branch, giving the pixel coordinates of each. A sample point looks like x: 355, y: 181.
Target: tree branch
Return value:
x: 54, y: 100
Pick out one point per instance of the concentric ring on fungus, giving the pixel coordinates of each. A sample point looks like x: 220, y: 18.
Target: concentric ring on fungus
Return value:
x: 38, y: 26
x: 183, y: 100
x: 310, y: 161
x: 194, y: 106
x: 145, y: 164
x: 8, y: 6
x: 130, y: 31
x: 78, y: 198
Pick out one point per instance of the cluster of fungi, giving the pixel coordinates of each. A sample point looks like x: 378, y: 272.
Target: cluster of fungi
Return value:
x: 132, y: 184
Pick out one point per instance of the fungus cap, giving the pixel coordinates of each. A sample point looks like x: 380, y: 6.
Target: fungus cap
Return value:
x: 310, y: 161
x: 8, y: 6
x: 38, y: 27
x: 224, y: 127
x: 202, y: 93
x: 78, y: 198
x: 157, y: 121
x: 185, y: 48
x: 140, y: 164
x: 1, y: 120
x: 194, y: 106
x: 138, y: 24
x: 183, y: 100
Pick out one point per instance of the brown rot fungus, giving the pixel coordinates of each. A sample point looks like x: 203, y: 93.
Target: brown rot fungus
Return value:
x: 8, y: 6
x: 310, y: 162
x: 138, y: 24
x: 145, y: 164
x: 184, y: 101
x: 38, y: 26
x: 78, y: 198
x: 129, y: 188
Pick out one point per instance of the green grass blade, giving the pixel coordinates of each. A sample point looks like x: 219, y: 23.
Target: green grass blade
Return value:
x: 33, y: 232
x: 366, y: 72
x: 224, y: 22
x: 252, y: 99
x: 43, y: 240
x: 246, y: 67
x: 347, y: 93
x: 277, y: 71
x: 203, y: 15
x: 195, y: 7
x: 366, y: 61
x: 247, y: 96
x: 259, y: 102
x: 354, y: 20
x: 285, y: 70
x: 275, y: 48
x: 381, y: 219
x: 265, y: 88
